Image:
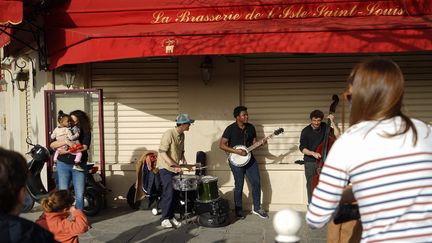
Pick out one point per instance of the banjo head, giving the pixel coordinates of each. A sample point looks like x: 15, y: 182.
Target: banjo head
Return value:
x: 238, y: 160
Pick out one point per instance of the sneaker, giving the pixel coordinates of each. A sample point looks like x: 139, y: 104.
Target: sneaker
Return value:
x: 261, y: 213
x: 154, y: 211
x: 175, y: 222
x: 166, y: 223
x: 78, y: 168
x: 239, y: 214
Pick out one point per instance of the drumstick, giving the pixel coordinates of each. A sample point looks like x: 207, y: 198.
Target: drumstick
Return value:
x: 183, y: 166
x: 189, y: 167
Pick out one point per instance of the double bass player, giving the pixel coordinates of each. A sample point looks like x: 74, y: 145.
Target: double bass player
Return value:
x: 311, y: 137
x: 312, y: 141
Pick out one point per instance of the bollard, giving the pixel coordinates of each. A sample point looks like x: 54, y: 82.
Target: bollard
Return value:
x: 287, y: 223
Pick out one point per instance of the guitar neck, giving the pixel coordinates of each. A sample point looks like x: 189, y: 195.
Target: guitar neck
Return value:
x: 259, y: 143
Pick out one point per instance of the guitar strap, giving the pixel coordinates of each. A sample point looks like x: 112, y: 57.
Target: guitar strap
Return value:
x: 244, y: 132
x: 246, y: 135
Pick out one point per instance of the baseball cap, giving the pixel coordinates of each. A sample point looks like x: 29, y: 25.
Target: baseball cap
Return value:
x: 183, y: 119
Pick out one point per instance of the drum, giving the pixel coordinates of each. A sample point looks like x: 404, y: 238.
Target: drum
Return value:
x: 207, y: 189
x: 185, y: 182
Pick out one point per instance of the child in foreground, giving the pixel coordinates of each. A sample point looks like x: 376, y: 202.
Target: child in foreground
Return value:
x: 61, y: 218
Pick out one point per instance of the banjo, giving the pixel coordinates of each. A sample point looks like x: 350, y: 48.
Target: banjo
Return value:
x: 240, y: 161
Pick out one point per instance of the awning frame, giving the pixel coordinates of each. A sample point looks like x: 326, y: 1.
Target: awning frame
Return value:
x: 38, y: 36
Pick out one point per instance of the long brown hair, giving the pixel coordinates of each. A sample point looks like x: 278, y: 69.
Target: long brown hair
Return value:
x: 83, y: 120
x: 377, y: 93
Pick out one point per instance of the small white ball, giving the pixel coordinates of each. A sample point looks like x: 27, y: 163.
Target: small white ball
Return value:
x: 287, y: 223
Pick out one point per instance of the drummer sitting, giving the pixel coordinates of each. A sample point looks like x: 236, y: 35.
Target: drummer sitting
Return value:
x: 148, y: 178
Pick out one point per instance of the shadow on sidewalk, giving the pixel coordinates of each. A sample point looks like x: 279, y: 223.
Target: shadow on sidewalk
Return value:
x: 153, y: 232
x: 109, y: 213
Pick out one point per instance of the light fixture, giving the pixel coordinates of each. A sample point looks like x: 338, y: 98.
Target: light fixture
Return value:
x: 3, y: 83
x: 69, y: 72
x: 22, y: 76
x: 206, y: 69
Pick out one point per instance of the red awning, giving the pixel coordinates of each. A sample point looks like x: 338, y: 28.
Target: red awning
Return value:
x: 96, y: 30
x: 11, y: 12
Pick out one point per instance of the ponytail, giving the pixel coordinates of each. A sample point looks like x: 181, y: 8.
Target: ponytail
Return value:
x: 57, y: 201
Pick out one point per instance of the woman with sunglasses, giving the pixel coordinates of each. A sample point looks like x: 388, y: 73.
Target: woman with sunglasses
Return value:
x: 386, y: 155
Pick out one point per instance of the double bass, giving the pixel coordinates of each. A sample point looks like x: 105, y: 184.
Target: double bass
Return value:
x: 326, y: 144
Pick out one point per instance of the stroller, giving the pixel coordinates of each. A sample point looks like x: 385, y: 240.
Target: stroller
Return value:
x: 146, y: 192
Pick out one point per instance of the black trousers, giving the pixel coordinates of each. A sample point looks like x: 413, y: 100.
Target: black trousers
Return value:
x: 168, y: 196
x: 310, y: 172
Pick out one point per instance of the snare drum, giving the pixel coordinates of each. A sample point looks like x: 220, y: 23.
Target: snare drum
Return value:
x: 185, y: 182
x: 208, y: 189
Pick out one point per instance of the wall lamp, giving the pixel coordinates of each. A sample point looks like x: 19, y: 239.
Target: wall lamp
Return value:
x: 20, y: 79
x: 206, y: 69
x: 69, y: 72
x: 22, y: 76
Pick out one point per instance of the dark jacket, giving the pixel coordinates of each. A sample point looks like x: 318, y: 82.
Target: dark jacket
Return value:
x: 19, y: 230
x: 311, y: 139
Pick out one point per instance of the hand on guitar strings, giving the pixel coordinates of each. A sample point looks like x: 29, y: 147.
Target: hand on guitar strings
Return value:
x: 240, y: 152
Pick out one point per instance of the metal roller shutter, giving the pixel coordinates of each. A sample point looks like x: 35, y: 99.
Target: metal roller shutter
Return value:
x: 140, y: 101
x: 281, y: 91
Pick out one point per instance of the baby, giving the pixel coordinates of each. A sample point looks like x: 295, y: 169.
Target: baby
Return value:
x: 63, y: 132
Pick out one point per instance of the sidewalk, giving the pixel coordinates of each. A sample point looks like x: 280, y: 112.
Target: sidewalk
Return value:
x: 126, y: 225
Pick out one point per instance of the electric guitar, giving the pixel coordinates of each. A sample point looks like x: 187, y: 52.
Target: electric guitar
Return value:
x: 239, y: 160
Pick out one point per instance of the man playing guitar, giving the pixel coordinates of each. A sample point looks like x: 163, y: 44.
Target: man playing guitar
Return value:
x: 243, y: 133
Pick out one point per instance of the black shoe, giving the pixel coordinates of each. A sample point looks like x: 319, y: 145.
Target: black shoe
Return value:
x: 261, y: 213
x: 239, y: 214
x: 77, y: 168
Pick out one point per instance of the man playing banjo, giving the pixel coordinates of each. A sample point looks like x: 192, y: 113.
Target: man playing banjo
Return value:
x: 243, y: 133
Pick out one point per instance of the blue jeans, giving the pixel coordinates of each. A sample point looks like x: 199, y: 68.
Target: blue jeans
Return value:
x: 252, y: 172
x: 65, y: 174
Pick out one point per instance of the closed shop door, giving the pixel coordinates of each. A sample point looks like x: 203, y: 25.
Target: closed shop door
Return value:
x: 140, y: 103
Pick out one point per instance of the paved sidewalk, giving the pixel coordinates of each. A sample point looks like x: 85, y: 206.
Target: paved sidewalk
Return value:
x: 126, y: 225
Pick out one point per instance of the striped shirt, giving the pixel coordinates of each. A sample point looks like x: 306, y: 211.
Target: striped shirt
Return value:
x: 391, y: 179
